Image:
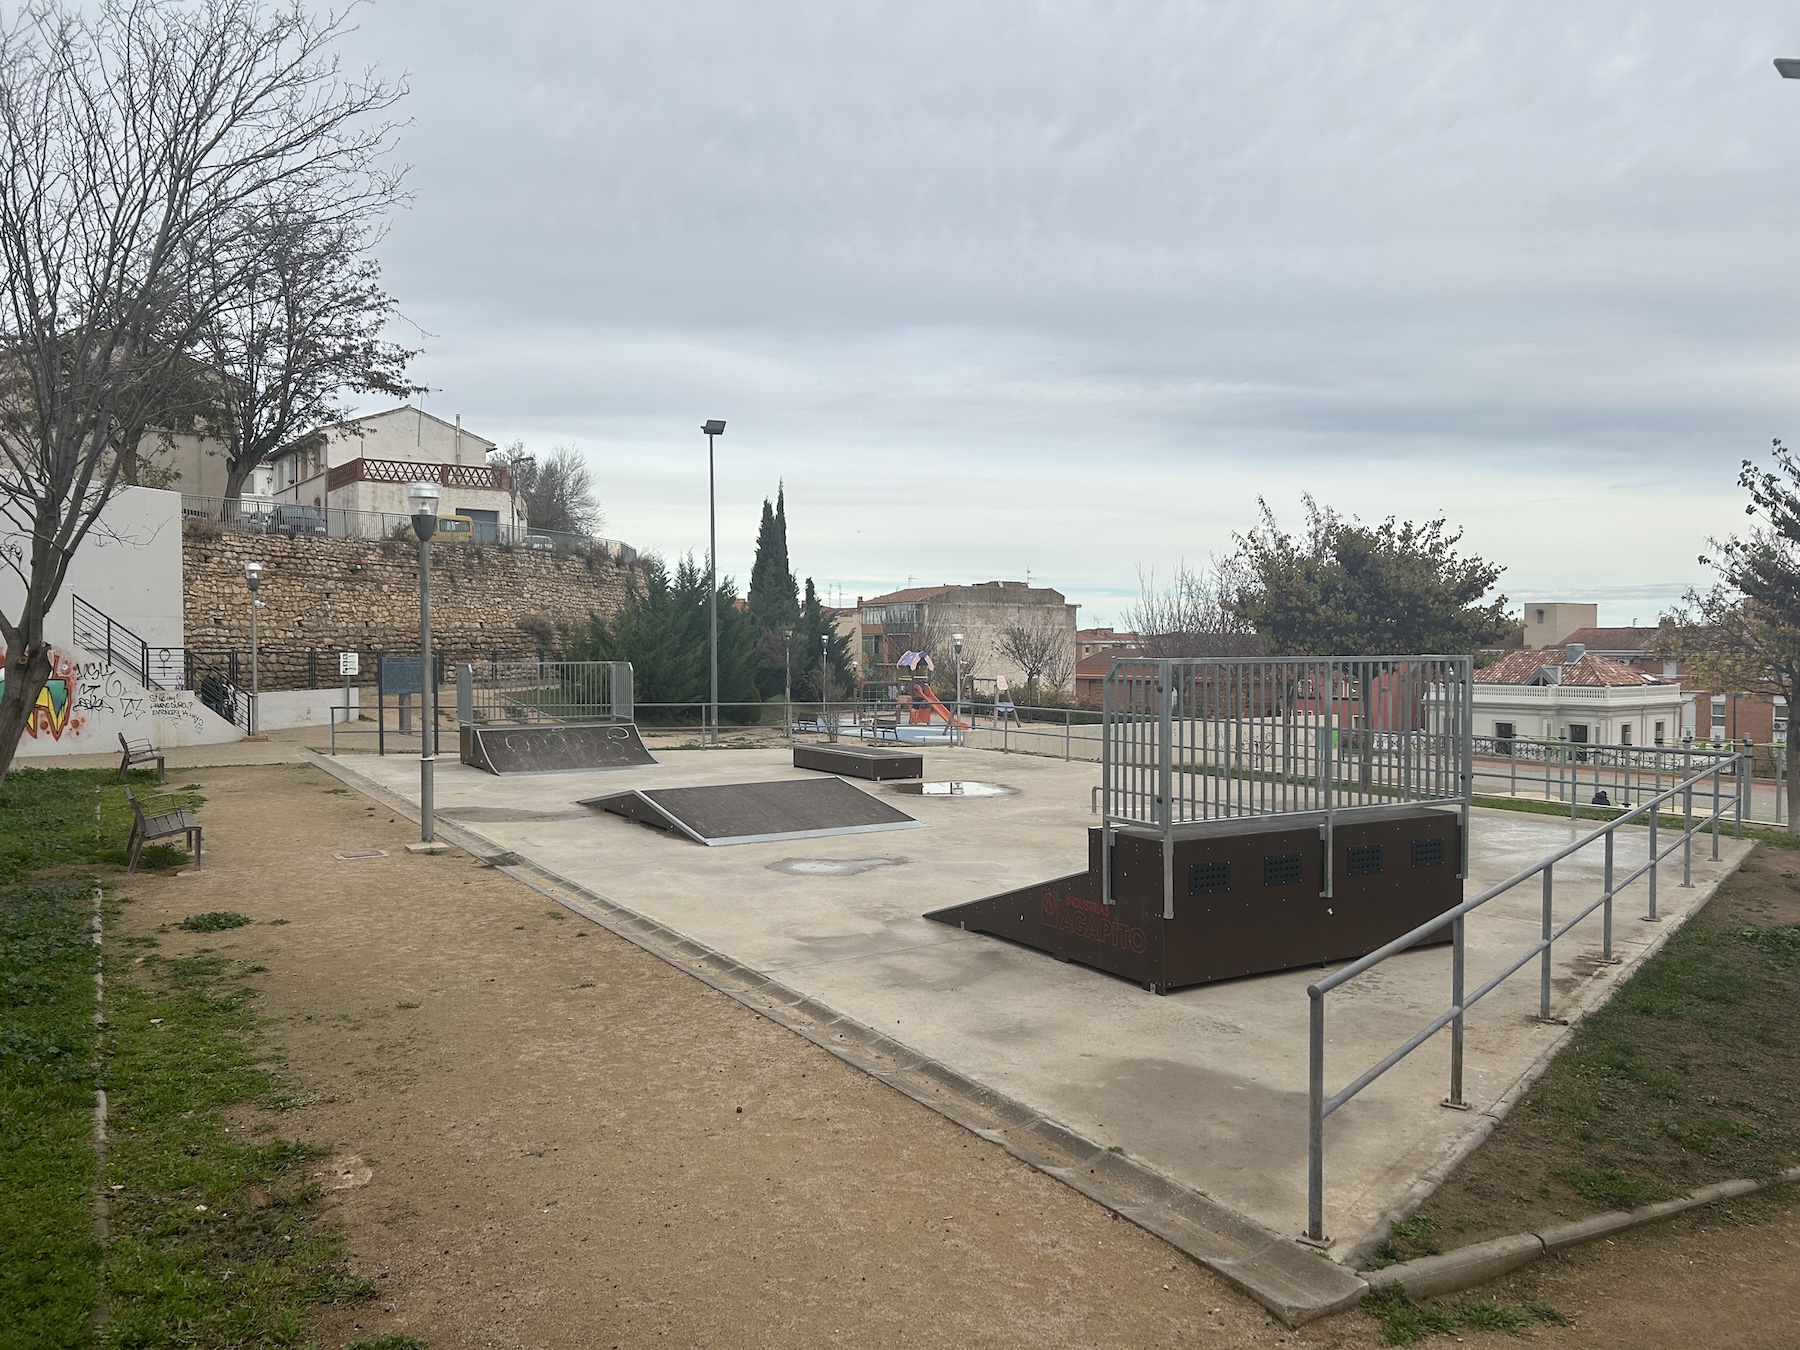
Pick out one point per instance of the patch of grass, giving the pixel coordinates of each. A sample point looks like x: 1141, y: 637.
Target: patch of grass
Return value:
x: 1405, y: 1321
x: 158, y: 857
x: 214, y: 1238
x: 214, y: 921
x: 1409, y: 1239
x: 49, y: 1277
x: 1690, y: 1075
x: 394, y: 1342
x: 54, y: 817
x: 1531, y: 806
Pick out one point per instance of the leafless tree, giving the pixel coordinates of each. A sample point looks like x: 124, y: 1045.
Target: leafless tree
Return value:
x: 1195, y: 614
x: 298, y: 332
x: 558, y: 489
x: 136, y: 139
x: 1041, y: 646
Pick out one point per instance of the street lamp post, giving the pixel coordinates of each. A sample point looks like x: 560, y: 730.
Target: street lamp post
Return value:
x: 423, y: 499
x: 712, y: 427
x: 253, y: 575
x: 957, y: 639
x: 787, y: 678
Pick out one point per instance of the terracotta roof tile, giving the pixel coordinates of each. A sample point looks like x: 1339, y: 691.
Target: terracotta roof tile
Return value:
x: 1521, y: 667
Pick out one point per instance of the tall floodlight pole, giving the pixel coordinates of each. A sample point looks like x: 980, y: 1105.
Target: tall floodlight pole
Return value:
x: 712, y: 428
x: 253, y: 576
x: 957, y: 639
x: 423, y: 499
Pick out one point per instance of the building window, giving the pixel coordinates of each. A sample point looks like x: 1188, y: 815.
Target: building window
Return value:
x: 1503, y: 738
x: 1659, y: 733
x: 1779, y: 732
x: 1718, y: 717
x: 1625, y: 734
x: 1540, y: 616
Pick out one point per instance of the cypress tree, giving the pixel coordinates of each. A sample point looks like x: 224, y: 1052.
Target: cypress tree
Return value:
x: 774, y: 604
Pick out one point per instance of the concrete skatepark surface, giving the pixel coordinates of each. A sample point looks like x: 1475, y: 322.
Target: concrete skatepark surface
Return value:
x: 1206, y: 1086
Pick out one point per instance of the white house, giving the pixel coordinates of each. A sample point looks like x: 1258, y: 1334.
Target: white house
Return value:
x: 1571, y: 694
x: 361, y: 467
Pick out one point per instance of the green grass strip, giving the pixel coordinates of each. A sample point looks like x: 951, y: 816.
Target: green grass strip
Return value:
x: 49, y: 1274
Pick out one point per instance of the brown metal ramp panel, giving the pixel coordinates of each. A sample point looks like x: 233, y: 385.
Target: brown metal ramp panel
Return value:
x: 859, y: 761
x: 750, y: 813
x: 570, y: 748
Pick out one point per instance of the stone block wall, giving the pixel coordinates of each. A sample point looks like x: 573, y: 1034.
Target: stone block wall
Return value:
x: 333, y: 595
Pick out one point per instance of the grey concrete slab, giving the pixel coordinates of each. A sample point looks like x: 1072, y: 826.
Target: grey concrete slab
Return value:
x: 1206, y: 1086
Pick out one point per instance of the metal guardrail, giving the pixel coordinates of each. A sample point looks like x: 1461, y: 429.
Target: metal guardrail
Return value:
x: 1186, y: 741
x: 256, y: 516
x: 544, y: 691
x: 1321, y: 1106
x: 106, y: 637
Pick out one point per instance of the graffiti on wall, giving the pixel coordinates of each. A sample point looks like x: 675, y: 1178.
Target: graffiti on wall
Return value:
x: 59, y: 706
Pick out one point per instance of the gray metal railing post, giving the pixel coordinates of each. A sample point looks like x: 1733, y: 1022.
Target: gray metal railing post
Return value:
x: 1545, y: 959
x: 1687, y: 838
x: 1315, y: 1119
x: 1458, y: 964
x: 1606, y: 913
x: 1066, y: 717
x: 1718, y: 810
x: 1655, y: 863
x: 1747, y: 785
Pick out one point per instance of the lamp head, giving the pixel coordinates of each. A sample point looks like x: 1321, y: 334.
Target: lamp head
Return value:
x: 713, y: 428
x: 253, y: 575
x: 1788, y: 66
x: 423, y: 498
x: 957, y: 639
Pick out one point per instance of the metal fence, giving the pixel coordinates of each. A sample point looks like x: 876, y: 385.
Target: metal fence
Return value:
x: 257, y: 516
x: 1717, y: 782
x: 528, y: 692
x: 1185, y: 741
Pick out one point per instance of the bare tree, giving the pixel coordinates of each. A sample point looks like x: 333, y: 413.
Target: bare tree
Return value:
x: 133, y: 144
x: 1041, y: 646
x: 1196, y: 614
x: 299, y: 331
x: 558, y: 490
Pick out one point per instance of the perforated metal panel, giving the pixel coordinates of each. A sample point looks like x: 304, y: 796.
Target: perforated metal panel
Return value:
x: 1283, y: 869
x: 1428, y: 853
x: 1363, y: 860
x: 1209, y: 878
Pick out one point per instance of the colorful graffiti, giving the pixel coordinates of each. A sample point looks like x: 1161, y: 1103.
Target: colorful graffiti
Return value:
x: 57, y: 709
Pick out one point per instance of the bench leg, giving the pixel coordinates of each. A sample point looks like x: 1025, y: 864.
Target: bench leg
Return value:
x: 195, y: 838
x: 162, y: 774
x: 124, y: 764
x: 137, y: 847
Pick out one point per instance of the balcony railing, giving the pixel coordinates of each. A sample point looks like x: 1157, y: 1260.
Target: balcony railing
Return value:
x: 483, y: 477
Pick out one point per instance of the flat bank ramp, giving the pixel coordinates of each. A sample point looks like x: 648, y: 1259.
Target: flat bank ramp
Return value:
x: 755, y: 813
x: 570, y: 748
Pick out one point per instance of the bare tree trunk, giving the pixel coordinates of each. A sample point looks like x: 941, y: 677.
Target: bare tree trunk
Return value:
x: 1793, y: 788
x: 27, y: 671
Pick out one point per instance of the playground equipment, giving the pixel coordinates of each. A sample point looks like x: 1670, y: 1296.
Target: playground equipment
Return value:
x: 924, y: 702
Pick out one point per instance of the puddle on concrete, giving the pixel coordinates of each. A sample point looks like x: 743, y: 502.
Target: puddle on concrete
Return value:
x: 832, y: 867
x: 961, y: 788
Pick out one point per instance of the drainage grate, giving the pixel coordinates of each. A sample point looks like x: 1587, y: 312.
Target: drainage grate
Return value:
x: 1281, y: 869
x: 1363, y: 860
x: 363, y: 853
x: 1428, y: 853
x: 1209, y: 878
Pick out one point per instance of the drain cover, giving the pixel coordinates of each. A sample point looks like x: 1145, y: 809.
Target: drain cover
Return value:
x: 364, y: 853
x: 960, y: 788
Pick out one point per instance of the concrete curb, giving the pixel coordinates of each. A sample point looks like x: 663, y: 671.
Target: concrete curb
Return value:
x: 1466, y: 1267
x: 1293, y: 1282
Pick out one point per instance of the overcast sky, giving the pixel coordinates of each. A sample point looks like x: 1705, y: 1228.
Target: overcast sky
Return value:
x: 1062, y: 288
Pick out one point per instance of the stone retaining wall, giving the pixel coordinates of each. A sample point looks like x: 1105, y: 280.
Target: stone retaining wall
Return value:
x: 333, y: 595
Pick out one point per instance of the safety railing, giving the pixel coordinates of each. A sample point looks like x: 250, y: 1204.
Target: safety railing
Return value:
x: 1586, y: 775
x: 1720, y: 775
x: 525, y: 692
x: 106, y: 637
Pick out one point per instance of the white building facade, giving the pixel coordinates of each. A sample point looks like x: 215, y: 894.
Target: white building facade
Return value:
x: 1589, y: 699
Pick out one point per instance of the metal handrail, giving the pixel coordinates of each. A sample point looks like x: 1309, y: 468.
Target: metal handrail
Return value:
x: 1319, y: 1106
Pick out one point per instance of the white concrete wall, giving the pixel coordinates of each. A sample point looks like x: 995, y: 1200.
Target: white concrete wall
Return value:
x: 128, y: 567
x: 89, y: 704
x: 301, y: 707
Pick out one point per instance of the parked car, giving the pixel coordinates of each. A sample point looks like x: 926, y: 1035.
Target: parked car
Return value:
x: 294, y: 521
x: 539, y: 541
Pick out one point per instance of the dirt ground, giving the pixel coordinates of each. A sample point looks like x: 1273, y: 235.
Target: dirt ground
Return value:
x: 570, y: 1143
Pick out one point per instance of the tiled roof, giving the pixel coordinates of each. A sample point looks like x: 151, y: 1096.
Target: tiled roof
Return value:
x: 1521, y: 667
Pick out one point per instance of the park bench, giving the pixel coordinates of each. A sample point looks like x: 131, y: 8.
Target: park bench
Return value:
x: 882, y: 726
x: 147, y: 829
x: 139, y: 752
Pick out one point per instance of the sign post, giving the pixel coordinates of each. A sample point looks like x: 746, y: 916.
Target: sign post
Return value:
x: 349, y: 664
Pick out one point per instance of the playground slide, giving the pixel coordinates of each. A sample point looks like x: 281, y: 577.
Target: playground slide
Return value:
x: 923, y: 693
